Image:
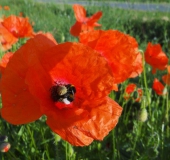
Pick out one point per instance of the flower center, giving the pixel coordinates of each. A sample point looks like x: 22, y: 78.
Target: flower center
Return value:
x: 63, y: 93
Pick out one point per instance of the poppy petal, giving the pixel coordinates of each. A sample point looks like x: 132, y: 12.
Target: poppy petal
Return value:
x: 119, y: 49
x: 95, y: 126
x: 138, y: 66
x: 84, y: 23
x: 79, y: 12
x: 97, y: 24
x: 48, y: 35
x: 6, y: 38
x: 76, y: 29
x: 156, y: 57
x: 39, y: 87
x: 166, y: 79
x: 20, y: 110
x: 158, y: 87
x: 70, y: 134
x: 19, y: 105
x: 94, y: 18
x: 102, y: 119
x: 4, y: 61
x: 130, y: 88
x: 18, y: 26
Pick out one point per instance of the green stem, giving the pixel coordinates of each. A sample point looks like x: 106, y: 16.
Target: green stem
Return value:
x: 145, y: 82
x: 139, y: 127
x: 66, y: 150
x: 47, y: 154
x: 167, y: 110
x: 31, y: 135
x: 114, y: 150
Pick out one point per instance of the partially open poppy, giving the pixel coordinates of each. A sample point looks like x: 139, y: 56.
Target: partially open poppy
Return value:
x: 6, y: 39
x: 140, y: 94
x: 6, y: 8
x: 18, y: 26
x: 4, y: 61
x: 84, y: 23
x: 155, y: 57
x: 5, y: 146
x: 166, y: 77
x: 119, y: 49
x: 130, y: 89
x: 61, y: 81
x: 158, y: 87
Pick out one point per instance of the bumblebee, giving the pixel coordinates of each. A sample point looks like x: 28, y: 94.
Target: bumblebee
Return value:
x: 63, y: 93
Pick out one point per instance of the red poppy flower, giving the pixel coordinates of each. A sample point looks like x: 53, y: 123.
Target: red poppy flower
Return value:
x: 4, y: 61
x: 131, y: 88
x: 6, y: 39
x: 120, y: 50
x: 18, y: 26
x: 166, y: 77
x: 6, y: 8
x: 21, y: 14
x: 61, y: 81
x: 156, y: 57
x: 158, y: 87
x: 84, y: 23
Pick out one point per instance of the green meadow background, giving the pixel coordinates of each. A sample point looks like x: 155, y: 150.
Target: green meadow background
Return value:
x: 132, y: 139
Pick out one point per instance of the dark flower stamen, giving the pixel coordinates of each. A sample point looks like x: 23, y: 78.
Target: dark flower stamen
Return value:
x: 63, y: 93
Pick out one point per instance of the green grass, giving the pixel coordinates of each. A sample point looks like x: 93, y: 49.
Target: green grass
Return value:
x: 131, y: 139
x: 130, y: 1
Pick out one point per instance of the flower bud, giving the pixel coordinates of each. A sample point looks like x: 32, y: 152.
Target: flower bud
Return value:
x: 142, y: 115
x: 4, y: 147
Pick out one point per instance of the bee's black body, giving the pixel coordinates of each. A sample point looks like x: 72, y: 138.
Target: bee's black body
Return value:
x: 63, y: 93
